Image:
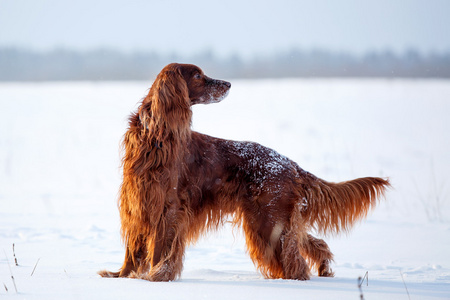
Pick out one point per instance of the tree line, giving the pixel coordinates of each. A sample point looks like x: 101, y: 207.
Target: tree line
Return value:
x: 106, y: 64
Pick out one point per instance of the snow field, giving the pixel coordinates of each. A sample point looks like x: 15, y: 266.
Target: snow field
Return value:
x: 59, y: 178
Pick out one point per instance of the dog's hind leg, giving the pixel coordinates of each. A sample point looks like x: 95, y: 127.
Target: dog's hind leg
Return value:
x: 294, y: 264
x: 263, y: 252
x: 262, y: 236
x: 318, y: 254
x: 275, y: 250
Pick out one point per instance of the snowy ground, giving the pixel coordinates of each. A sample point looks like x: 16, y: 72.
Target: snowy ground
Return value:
x: 59, y: 177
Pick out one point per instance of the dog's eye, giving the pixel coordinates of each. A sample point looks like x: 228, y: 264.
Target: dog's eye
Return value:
x: 197, y: 76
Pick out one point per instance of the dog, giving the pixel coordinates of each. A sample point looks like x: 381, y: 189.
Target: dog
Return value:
x: 178, y: 184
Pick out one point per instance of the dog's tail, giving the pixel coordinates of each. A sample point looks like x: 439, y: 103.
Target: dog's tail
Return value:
x: 334, y: 207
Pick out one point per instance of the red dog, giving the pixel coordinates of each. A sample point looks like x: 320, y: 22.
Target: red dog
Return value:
x: 178, y: 184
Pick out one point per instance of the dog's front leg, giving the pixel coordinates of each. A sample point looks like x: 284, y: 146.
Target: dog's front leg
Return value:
x: 134, y: 261
x: 168, y: 246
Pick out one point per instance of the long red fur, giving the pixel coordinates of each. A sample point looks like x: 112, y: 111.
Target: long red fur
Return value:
x: 178, y: 184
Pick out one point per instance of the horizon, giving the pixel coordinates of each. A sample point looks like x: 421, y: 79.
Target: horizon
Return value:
x: 216, y: 55
x: 110, y: 64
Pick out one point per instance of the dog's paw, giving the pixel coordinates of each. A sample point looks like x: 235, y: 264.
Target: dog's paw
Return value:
x: 108, y: 274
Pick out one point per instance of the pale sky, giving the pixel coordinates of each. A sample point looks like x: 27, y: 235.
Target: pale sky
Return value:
x: 225, y: 27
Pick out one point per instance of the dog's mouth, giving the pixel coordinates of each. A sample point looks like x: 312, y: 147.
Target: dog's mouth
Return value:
x: 216, y: 91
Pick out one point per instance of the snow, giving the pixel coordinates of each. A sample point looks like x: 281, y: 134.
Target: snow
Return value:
x: 59, y: 178
x: 266, y: 163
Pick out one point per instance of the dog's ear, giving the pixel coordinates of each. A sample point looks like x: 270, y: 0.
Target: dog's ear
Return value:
x: 167, y: 100
x: 171, y: 90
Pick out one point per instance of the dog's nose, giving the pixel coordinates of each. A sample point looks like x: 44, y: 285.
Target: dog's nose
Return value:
x: 227, y: 84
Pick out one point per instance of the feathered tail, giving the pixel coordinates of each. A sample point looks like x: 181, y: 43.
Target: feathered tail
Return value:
x: 334, y: 207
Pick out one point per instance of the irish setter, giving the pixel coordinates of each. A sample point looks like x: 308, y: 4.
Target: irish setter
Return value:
x: 178, y: 184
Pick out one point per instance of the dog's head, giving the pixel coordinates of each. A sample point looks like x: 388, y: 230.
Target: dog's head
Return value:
x: 189, y: 84
x: 176, y: 88
x: 203, y: 89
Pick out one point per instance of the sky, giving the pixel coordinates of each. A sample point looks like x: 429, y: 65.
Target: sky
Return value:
x: 227, y: 27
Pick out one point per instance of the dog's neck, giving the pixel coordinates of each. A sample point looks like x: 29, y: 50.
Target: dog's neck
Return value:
x: 161, y: 132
